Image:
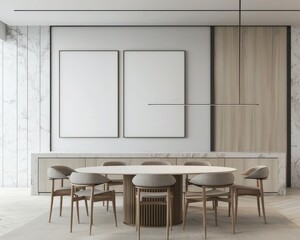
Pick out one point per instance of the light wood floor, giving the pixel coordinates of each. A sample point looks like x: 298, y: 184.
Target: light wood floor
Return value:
x: 18, y: 207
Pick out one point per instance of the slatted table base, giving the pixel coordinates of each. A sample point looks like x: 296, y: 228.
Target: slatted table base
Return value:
x: 151, y: 215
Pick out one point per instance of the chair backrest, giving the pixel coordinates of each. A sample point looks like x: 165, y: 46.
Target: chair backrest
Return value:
x: 257, y: 172
x: 198, y: 163
x: 87, y: 179
x: 213, y: 179
x: 114, y: 163
x: 153, y: 180
x: 156, y: 163
x: 59, y: 172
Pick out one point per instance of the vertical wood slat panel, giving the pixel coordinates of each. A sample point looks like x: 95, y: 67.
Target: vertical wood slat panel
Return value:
x: 10, y: 109
x: 1, y: 113
x: 33, y: 93
x: 263, y: 81
x: 45, y: 89
x: 22, y: 107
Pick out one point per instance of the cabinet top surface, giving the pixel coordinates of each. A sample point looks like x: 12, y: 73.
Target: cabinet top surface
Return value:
x: 152, y: 169
x: 162, y: 155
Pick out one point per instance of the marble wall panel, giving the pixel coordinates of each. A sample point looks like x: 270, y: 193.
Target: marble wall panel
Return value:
x: 295, y: 107
x: 10, y: 108
x: 45, y: 89
x: 24, y: 102
x: 33, y: 92
x: 1, y: 111
x: 22, y: 106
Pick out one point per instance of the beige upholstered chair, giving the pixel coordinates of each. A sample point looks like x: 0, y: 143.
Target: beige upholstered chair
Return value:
x: 258, y: 173
x: 156, y: 163
x: 156, y: 184
x: 90, y: 180
x: 113, y: 182
x: 210, y: 180
x: 158, y: 195
x: 59, y: 173
x: 194, y: 163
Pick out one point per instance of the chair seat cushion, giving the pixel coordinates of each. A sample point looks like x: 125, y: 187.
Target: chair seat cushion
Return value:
x: 87, y: 193
x: 116, y: 182
x: 247, y: 190
x: 62, y: 191
x: 210, y: 193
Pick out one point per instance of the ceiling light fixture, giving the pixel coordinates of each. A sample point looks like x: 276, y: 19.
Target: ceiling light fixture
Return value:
x: 239, y: 76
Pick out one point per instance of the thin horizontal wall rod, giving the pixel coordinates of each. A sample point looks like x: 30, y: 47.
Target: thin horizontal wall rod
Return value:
x: 204, y: 104
x: 155, y: 10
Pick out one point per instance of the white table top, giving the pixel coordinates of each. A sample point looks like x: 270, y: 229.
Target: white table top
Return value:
x: 154, y: 169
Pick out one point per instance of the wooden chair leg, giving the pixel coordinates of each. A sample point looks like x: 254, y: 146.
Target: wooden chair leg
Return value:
x: 51, y: 201
x: 171, y: 212
x: 77, y: 211
x: 186, y: 205
x: 86, y: 207
x: 262, y: 200
x: 232, y: 209
x: 216, y: 213
x: 168, y: 214
x: 60, y: 205
x: 104, y: 188
x: 71, y: 218
x: 138, y: 215
x: 61, y: 198
x: 236, y: 198
x: 51, y: 207
x: 204, y: 212
x: 114, y: 207
x: 229, y: 204
x: 107, y: 202
x: 258, y: 205
x: 92, y: 209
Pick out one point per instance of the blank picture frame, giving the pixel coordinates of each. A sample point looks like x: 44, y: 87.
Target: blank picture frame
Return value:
x: 157, y: 77
x: 88, y: 93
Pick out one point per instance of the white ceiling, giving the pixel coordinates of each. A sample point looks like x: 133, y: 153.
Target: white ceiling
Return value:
x: 12, y: 17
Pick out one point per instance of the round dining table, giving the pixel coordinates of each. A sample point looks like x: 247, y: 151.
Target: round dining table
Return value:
x: 152, y: 215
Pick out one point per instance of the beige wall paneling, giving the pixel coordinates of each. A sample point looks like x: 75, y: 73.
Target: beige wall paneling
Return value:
x: 263, y: 80
x: 44, y: 164
x: 270, y: 185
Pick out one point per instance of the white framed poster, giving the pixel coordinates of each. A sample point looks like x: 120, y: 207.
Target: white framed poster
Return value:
x: 88, y: 93
x: 154, y: 77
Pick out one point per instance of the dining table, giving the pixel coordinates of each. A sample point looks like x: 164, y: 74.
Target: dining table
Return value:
x: 152, y: 215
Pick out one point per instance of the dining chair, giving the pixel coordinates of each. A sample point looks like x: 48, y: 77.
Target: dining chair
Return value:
x: 155, y: 163
x: 61, y: 173
x: 90, y: 180
x: 258, y: 173
x: 194, y: 163
x: 158, y: 195
x: 214, y: 181
x: 146, y: 184
x: 113, y: 182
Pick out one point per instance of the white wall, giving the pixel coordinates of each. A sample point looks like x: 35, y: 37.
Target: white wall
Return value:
x: 196, y: 42
x: 24, y: 101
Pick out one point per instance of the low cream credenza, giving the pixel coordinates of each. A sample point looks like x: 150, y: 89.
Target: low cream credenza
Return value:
x: 276, y: 162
